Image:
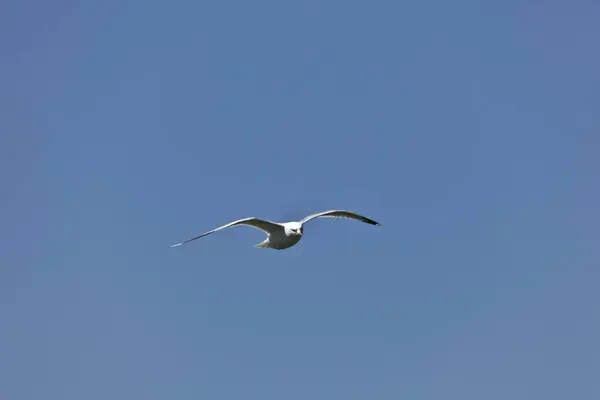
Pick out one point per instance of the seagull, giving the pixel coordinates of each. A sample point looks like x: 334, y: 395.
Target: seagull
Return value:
x: 284, y: 235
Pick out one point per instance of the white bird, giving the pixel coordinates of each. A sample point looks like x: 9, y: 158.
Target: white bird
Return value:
x: 284, y: 235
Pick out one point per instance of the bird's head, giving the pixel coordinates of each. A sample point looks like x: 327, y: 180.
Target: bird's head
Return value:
x: 294, y: 228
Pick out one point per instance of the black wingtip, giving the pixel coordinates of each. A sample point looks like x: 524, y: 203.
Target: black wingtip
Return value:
x: 372, y: 222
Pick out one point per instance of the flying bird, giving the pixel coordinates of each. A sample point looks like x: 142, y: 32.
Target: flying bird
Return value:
x: 284, y: 235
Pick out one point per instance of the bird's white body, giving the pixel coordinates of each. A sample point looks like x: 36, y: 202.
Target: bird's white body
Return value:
x: 284, y: 235
x: 283, y: 238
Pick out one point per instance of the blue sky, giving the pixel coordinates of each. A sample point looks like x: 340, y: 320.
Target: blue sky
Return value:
x: 469, y: 129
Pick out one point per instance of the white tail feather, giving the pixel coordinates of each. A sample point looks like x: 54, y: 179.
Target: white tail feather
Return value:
x: 263, y: 244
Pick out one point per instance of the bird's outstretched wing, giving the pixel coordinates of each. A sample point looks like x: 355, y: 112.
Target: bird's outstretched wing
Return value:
x: 340, y: 214
x: 265, y: 226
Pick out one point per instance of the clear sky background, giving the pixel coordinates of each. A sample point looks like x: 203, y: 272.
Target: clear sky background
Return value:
x: 470, y: 130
